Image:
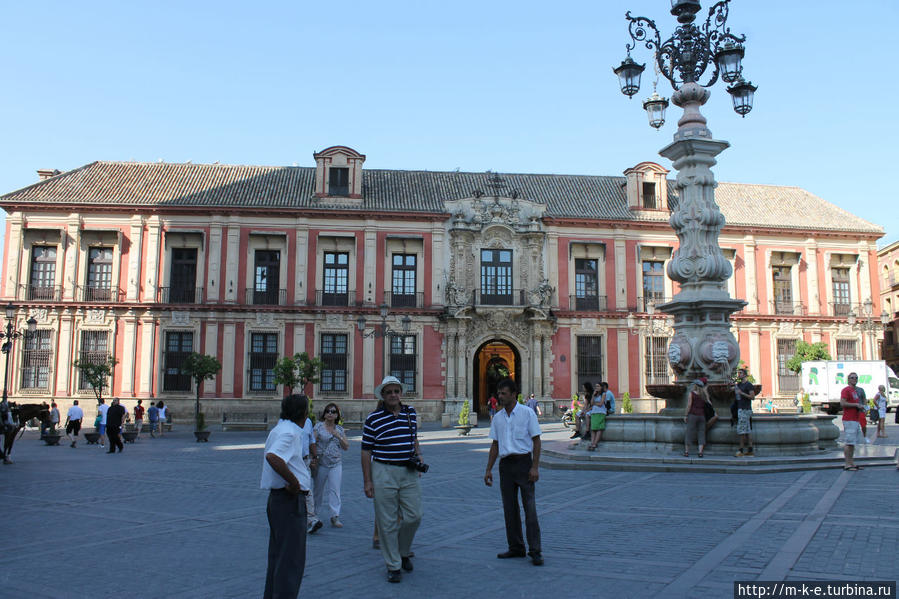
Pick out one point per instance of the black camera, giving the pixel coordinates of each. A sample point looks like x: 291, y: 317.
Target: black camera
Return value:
x: 415, y: 463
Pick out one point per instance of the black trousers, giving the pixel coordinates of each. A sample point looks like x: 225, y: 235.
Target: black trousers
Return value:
x: 513, y: 477
x: 286, y: 544
x: 115, y: 438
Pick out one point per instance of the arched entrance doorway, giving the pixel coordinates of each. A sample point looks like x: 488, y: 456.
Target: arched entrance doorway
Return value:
x: 493, y: 361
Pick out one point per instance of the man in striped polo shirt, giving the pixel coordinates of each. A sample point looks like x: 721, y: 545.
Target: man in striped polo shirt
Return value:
x: 389, y: 442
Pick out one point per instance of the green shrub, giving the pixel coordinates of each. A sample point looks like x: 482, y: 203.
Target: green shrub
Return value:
x: 626, y: 406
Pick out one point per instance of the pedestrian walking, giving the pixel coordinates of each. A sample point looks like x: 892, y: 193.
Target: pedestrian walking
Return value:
x: 287, y: 479
x: 852, y: 430
x: 102, y: 408
x: 115, y: 416
x: 695, y: 416
x: 310, y: 455
x: 163, y: 416
x: 153, y: 418
x: 516, y: 442
x: 54, y: 417
x: 391, y: 467
x: 331, y: 442
x: 745, y: 393
x: 492, y: 405
x: 138, y: 418
x: 880, y: 403
x: 73, y: 422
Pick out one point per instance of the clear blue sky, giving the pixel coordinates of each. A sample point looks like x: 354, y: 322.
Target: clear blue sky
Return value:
x: 508, y: 86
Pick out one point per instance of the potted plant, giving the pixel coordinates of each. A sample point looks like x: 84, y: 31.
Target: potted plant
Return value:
x: 464, y: 422
x: 200, y: 367
x: 96, y: 375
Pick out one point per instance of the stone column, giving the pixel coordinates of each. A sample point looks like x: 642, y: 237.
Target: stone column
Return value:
x: 148, y: 353
x: 214, y: 272
x: 13, y: 255
x: 129, y: 348
x: 210, y: 348
x: 811, y: 260
x: 232, y: 260
x: 228, y: 339
x: 752, y: 289
x: 132, y: 293
x: 154, y: 234
x: 64, y: 358
x: 302, y: 252
x: 73, y: 251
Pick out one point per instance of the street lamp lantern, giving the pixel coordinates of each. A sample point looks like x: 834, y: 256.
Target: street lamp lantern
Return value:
x: 685, y: 10
x: 629, y: 76
x: 10, y: 311
x: 32, y: 325
x: 728, y: 58
x: 742, y: 92
x: 655, y: 106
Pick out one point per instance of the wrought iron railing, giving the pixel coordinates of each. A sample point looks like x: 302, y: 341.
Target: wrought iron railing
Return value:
x: 588, y: 303
x: 99, y: 295
x: 36, y: 293
x: 266, y: 297
x: 498, y: 297
x: 335, y: 298
x: 180, y: 295
x: 404, y: 300
x: 789, y: 308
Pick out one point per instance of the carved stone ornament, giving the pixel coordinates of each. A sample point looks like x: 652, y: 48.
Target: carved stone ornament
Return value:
x: 39, y: 314
x: 718, y: 352
x: 180, y: 317
x: 265, y: 319
x: 333, y: 321
x: 786, y: 328
x: 542, y: 295
x: 455, y: 294
x: 497, y: 323
x: 95, y: 316
x: 680, y: 354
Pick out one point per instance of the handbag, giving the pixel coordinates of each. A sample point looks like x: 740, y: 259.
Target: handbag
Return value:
x: 709, y: 411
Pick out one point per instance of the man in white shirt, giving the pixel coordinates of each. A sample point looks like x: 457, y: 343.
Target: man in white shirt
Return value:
x: 286, y: 477
x: 516, y: 441
x: 73, y: 422
x: 101, y: 409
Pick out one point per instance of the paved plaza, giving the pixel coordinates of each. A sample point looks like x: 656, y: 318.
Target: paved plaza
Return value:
x: 176, y: 519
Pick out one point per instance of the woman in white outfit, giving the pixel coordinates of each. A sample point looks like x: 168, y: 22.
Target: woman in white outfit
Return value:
x: 880, y: 402
x: 331, y: 441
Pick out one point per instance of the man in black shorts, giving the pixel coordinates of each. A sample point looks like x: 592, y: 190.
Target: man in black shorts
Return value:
x: 73, y: 422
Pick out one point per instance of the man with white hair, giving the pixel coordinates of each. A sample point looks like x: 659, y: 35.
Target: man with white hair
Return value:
x: 391, y: 466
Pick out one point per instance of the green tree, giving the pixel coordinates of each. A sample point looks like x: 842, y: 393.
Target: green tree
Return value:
x: 806, y: 352
x: 297, y: 371
x: 627, y: 406
x: 741, y: 366
x: 200, y: 367
x: 97, y: 374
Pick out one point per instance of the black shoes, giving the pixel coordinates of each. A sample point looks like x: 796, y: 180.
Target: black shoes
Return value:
x: 510, y: 553
x: 537, y: 559
x: 394, y: 575
x: 407, y: 564
x: 575, y: 435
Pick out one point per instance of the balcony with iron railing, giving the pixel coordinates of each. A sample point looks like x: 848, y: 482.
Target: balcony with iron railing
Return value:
x: 889, y: 281
x: 266, y: 297
x: 498, y: 297
x: 788, y: 383
x: 99, y: 295
x: 335, y: 298
x: 404, y: 300
x: 180, y: 295
x: 40, y: 293
x: 588, y: 303
x: 649, y: 303
x: 789, y: 308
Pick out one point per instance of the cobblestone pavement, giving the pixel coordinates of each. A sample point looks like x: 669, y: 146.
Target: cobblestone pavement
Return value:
x: 176, y: 519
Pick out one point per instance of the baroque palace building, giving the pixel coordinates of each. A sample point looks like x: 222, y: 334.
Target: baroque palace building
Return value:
x: 448, y: 280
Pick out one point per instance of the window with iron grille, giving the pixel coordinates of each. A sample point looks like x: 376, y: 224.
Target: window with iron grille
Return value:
x: 649, y: 196
x: 338, y: 181
x: 267, y: 277
x: 589, y: 359
x: 263, y: 355
x: 178, y: 345
x: 783, y: 289
x: 403, y: 359
x: 403, y: 290
x: 99, y: 274
x: 585, y: 284
x: 36, y: 360
x: 183, y: 276
x: 94, y: 350
x: 333, y: 354
x: 496, y: 277
x: 847, y: 349
x: 656, y: 360
x: 336, y: 278
x: 788, y: 381
x: 841, y: 298
x: 43, y: 272
x: 653, y: 280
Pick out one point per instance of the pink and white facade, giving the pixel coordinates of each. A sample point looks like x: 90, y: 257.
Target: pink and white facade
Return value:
x: 551, y: 278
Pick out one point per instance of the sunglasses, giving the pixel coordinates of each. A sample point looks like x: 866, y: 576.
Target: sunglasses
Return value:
x: 331, y: 411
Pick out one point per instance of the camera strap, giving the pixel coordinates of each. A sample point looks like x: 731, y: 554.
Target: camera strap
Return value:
x: 412, y: 431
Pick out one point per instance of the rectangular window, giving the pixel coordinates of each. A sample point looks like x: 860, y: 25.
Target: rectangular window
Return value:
x: 336, y: 277
x: 338, y: 181
x: 404, y: 284
x: 783, y: 289
x: 333, y: 377
x: 36, y: 361
x: 183, y: 281
x: 841, y: 299
x: 653, y: 282
x: 267, y: 277
x: 94, y: 350
x: 656, y: 361
x: 263, y: 355
x: 847, y: 349
x: 43, y: 273
x: 99, y: 275
x: 788, y: 381
x: 649, y: 196
x: 586, y: 286
x: 589, y: 359
x: 178, y: 344
x: 496, y: 277
x: 403, y: 359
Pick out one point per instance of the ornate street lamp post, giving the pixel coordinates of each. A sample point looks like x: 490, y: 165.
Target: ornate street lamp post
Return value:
x: 703, y: 344
x: 9, y: 335
x: 383, y: 330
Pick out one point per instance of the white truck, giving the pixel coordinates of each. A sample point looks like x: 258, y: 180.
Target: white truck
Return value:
x: 824, y: 380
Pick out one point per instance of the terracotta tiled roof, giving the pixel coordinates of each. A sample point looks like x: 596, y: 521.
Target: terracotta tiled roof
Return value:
x: 595, y: 197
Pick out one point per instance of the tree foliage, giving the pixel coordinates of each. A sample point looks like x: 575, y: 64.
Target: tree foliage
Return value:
x: 200, y: 367
x: 97, y: 374
x: 806, y: 352
x: 298, y: 370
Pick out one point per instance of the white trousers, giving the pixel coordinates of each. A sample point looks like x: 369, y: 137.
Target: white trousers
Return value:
x: 327, y: 488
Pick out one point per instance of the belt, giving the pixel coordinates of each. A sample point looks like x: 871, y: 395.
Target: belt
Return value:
x: 516, y: 456
x: 284, y: 491
x: 389, y: 463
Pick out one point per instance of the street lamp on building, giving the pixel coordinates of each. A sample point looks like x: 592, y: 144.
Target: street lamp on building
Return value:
x: 692, y: 60
x: 865, y: 321
x: 383, y: 330
x: 8, y: 336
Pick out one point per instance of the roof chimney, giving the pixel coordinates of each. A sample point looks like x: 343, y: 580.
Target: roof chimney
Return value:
x: 45, y: 173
